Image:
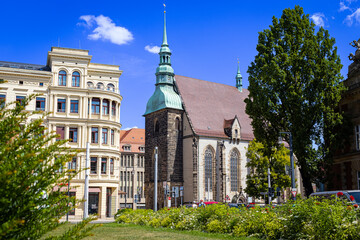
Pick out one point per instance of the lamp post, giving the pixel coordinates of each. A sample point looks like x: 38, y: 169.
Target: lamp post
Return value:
x: 291, y: 163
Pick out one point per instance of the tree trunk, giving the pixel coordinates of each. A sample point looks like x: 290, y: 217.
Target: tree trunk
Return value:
x: 306, y: 181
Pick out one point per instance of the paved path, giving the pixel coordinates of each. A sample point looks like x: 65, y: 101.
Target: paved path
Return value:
x: 108, y: 220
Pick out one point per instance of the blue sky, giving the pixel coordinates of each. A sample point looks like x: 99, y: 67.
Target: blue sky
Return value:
x: 206, y: 37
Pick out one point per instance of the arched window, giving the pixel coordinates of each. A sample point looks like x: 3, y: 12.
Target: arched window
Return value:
x: 208, y: 170
x: 75, y: 79
x: 90, y: 85
x: 177, y: 124
x: 156, y: 127
x: 100, y: 85
x: 62, y: 78
x: 111, y: 87
x: 234, y: 161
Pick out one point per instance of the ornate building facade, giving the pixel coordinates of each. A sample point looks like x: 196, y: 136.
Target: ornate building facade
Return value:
x: 201, y: 131
x: 83, y: 102
x: 132, y: 168
x: 346, y: 166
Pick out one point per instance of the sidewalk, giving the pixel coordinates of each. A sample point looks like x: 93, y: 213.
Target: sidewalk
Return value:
x: 107, y: 220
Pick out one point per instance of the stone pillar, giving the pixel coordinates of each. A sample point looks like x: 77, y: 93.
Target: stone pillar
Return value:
x: 67, y: 105
x: 89, y: 107
x: 101, y: 110
x: 103, y: 202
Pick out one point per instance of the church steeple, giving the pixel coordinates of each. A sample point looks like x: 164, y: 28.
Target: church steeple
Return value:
x: 164, y: 95
x: 238, y: 79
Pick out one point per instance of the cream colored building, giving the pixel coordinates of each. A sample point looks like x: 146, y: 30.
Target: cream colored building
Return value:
x: 83, y: 101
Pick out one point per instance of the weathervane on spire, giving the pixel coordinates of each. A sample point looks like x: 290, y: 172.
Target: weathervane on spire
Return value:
x: 164, y: 7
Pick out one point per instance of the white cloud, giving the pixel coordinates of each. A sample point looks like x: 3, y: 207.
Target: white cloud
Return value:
x: 107, y: 30
x: 349, y: 20
x: 153, y: 49
x: 319, y: 19
x: 343, y: 7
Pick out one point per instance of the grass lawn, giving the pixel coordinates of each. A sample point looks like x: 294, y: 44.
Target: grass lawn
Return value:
x: 129, y: 232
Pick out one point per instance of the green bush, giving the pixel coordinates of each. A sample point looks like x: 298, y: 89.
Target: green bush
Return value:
x: 303, y: 219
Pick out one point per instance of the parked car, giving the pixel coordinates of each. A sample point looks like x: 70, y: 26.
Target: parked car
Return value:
x: 350, y: 195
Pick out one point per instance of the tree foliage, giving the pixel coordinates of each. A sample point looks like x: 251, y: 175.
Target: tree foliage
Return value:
x: 31, y: 164
x: 295, y: 87
x: 259, y: 162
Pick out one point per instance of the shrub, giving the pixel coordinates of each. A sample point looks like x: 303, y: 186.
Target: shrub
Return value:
x: 303, y: 219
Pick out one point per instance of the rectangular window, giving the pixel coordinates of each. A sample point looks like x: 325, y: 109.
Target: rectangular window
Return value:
x: 93, y: 165
x: 357, y: 136
x: 73, y: 163
x: 73, y: 134
x: 2, y: 100
x: 112, y: 137
x: 94, y: 135
x: 111, y: 166
x: 74, y: 106
x: 95, y: 106
x: 113, y: 108
x: 122, y: 161
x: 61, y: 105
x: 20, y: 100
x: 104, y: 136
x: 105, y: 107
x: 40, y: 104
x: 61, y: 132
x: 103, y: 165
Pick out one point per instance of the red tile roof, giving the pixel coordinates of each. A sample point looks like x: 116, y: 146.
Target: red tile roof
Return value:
x: 134, y: 137
x: 209, y: 104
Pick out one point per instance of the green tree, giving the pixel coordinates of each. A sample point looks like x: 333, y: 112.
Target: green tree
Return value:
x: 31, y: 164
x: 295, y: 87
x: 260, y: 159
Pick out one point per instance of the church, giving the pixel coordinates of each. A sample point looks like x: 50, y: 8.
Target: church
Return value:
x: 201, y: 131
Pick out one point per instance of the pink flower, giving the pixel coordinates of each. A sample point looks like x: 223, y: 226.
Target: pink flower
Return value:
x: 339, y: 194
x: 352, y: 198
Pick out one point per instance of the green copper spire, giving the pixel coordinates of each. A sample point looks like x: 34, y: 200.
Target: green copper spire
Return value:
x: 164, y: 96
x: 238, y: 79
x: 164, y: 36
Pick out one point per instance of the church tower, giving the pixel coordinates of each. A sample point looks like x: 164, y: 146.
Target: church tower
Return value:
x: 163, y: 129
x: 238, y: 79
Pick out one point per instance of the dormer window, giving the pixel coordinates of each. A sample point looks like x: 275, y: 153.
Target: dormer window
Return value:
x: 127, y: 148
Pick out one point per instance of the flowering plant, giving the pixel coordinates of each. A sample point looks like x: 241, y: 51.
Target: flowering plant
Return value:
x: 339, y: 194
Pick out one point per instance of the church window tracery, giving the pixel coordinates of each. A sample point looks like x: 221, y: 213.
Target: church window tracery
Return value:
x: 234, y: 174
x: 208, y: 169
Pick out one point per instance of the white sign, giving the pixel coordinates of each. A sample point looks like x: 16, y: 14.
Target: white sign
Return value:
x: 169, y: 202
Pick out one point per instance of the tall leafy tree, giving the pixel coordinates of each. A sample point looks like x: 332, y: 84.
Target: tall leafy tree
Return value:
x: 295, y: 87
x: 32, y: 163
x: 260, y: 159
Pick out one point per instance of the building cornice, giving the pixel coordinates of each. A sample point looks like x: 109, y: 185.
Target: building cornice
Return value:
x: 82, y: 120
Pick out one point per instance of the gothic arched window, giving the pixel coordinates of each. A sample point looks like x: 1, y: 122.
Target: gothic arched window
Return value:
x: 234, y: 175
x: 208, y: 169
x: 156, y: 127
x: 177, y: 124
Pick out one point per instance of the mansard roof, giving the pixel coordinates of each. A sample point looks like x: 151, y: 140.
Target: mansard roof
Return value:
x: 209, y: 104
x: 27, y: 66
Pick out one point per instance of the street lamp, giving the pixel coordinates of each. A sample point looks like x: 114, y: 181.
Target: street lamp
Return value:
x: 291, y: 163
